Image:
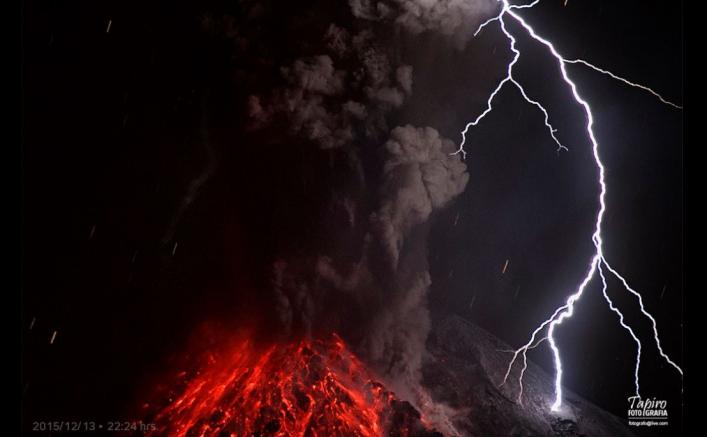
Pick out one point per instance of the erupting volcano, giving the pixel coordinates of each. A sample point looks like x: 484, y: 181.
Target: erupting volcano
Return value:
x: 300, y: 388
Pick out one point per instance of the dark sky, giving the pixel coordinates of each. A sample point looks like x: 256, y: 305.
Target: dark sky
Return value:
x: 115, y: 127
x: 529, y: 205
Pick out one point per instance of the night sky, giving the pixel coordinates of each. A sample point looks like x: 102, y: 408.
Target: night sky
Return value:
x: 150, y: 205
x: 532, y: 207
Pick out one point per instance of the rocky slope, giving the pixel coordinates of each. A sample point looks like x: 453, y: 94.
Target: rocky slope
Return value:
x: 467, y: 366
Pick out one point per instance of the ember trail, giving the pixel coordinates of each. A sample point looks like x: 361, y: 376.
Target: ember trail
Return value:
x: 301, y: 388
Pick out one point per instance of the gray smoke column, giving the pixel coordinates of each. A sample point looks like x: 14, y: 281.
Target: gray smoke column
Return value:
x: 371, y: 284
x: 420, y: 177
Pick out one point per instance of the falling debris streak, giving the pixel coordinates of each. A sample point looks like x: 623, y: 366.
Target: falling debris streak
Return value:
x: 31, y: 324
x: 110, y: 23
x: 505, y: 266
x: 93, y: 231
x: 51, y: 340
x: 567, y: 310
x: 174, y: 248
x: 663, y: 292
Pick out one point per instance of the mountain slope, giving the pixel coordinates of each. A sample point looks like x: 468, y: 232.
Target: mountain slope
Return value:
x: 466, y: 369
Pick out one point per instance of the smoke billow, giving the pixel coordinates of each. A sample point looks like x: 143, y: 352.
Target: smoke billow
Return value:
x: 379, y: 301
x: 368, y: 279
x: 333, y: 106
x: 419, y: 177
x: 456, y: 19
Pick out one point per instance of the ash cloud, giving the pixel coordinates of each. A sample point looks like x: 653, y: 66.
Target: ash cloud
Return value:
x: 379, y: 301
x: 419, y: 177
x: 456, y: 19
x: 368, y: 277
x: 333, y: 106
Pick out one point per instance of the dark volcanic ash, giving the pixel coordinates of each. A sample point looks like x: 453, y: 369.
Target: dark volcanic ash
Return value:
x: 378, y: 180
x: 371, y: 284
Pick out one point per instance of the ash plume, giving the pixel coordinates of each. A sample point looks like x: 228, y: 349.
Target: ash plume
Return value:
x: 365, y: 274
x: 333, y: 106
x: 372, y: 287
x: 456, y: 19
x: 419, y: 177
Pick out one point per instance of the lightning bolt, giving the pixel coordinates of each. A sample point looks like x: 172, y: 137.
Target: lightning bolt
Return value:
x: 626, y: 327
x: 598, y: 259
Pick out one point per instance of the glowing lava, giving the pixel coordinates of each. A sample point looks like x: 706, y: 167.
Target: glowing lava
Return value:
x: 303, y: 388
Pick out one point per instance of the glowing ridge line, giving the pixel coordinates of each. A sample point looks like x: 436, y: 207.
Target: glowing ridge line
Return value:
x: 566, y: 311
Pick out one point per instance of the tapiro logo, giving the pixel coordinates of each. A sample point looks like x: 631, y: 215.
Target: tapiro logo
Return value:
x: 647, y: 412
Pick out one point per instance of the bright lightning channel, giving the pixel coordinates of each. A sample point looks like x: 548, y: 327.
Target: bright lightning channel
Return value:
x: 598, y: 258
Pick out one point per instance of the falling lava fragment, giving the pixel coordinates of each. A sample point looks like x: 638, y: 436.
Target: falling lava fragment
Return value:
x: 302, y: 388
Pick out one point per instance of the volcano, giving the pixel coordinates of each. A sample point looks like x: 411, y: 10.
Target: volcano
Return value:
x: 320, y: 388
x: 300, y: 388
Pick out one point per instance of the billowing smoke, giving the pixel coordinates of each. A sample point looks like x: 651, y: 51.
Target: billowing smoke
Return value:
x: 366, y: 276
x: 454, y: 18
x: 332, y: 106
x: 372, y: 287
x: 379, y: 301
x: 420, y: 177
